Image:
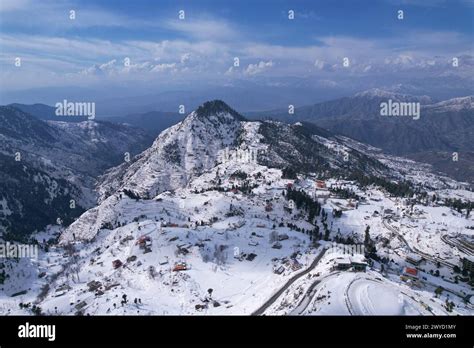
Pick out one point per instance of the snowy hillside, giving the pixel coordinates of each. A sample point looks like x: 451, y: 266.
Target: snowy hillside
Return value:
x: 227, y: 216
x: 57, y: 162
x: 202, y: 142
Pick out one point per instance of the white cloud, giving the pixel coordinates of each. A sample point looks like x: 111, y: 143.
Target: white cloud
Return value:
x: 185, y: 58
x: 253, y: 69
x: 106, y: 68
x: 164, y: 67
x: 211, y: 57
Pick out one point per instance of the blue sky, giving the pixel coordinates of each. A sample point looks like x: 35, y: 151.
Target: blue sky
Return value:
x: 92, y: 48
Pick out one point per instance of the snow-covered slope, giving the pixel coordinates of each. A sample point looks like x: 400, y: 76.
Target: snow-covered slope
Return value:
x: 455, y: 104
x: 226, y: 216
x: 180, y: 153
x: 57, y: 162
x: 203, y: 141
x: 380, y: 93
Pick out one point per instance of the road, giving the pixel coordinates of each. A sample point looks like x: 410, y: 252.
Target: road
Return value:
x: 415, y: 250
x: 457, y: 244
x: 399, y: 236
x: 290, y: 281
x: 309, y: 295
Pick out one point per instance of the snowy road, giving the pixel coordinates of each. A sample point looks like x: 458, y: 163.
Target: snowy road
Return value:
x: 290, y: 281
x: 415, y: 250
x: 457, y: 244
x: 309, y: 295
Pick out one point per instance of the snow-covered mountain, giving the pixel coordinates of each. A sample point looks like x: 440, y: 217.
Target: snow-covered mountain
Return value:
x: 441, y: 129
x: 55, y: 162
x: 199, y: 145
x: 178, y: 154
x: 222, y: 215
x: 380, y: 93
x: 453, y: 105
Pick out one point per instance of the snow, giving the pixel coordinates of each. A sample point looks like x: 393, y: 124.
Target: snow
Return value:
x: 194, y: 212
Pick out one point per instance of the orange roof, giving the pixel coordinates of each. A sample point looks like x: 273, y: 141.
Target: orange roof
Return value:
x: 412, y: 271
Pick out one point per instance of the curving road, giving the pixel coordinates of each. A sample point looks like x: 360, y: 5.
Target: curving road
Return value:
x: 457, y: 244
x: 290, y: 281
x: 415, y: 250
x: 309, y: 295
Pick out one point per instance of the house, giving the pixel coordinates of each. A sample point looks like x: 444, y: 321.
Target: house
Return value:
x: 295, y: 265
x: 351, y: 203
x: 322, y: 194
x: 180, y: 266
x: 468, y: 263
x: 144, y: 242
x: 282, y: 237
x: 279, y: 270
x: 320, y: 184
x: 184, y: 245
x: 359, y: 266
x: 414, y: 259
x: 409, y: 273
x: 343, y: 264
x: 358, y: 263
x: 183, y: 251
x: 163, y: 261
x: 116, y: 264
x: 268, y: 207
x: 235, y: 225
x: 239, y: 255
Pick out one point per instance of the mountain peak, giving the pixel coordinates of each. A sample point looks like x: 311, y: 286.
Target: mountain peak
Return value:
x: 215, y: 107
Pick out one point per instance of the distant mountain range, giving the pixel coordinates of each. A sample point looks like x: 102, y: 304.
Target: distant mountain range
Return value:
x: 152, y: 122
x: 442, y: 129
x: 46, y: 112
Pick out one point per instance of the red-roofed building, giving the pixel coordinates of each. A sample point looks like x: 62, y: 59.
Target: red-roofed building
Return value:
x: 410, y: 274
x: 320, y: 184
